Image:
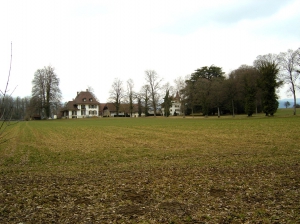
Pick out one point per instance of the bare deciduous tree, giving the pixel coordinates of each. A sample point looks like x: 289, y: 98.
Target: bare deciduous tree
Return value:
x: 139, y: 97
x: 90, y: 89
x: 289, y: 67
x: 116, y: 94
x: 144, y: 96
x: 168, y: 87
x: 130, y: 95
x: 45, y: 89
x: 92, y: 92
x: 180, y: 85
x: 153, y: 80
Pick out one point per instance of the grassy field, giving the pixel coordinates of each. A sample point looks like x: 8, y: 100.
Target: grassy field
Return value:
x: 152, y: 170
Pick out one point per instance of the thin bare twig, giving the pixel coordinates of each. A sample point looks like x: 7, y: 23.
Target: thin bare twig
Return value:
x: 6, y: 115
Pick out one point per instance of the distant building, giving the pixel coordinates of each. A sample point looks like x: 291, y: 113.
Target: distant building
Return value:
x: 84, y: 105
x: 109, y: 110
x: 175, y: 107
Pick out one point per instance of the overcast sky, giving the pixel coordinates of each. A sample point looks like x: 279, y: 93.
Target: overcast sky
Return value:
x: 90, y: 43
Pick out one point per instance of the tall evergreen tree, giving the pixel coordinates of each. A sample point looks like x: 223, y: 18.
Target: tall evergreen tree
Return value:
x: 167, y: 103
x: 207, y: 73
x: 199, y: 88
x: 268, y: 70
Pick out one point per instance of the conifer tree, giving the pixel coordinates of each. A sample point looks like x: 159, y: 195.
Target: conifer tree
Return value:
x: 268, y: 70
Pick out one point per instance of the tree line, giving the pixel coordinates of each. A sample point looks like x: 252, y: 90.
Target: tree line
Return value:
x: 248, y: 89
x: 44, y: 101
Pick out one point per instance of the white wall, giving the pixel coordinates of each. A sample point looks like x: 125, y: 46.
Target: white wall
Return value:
x: 175, y: 107
x: 87, y: 110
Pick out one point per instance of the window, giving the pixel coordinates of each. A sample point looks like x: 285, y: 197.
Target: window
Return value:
x: 83, y: 107
x: 74, y: 112
x: 91, y: 99
x: 83, y: 112
x: 92, y: 112
x: 84, y: 99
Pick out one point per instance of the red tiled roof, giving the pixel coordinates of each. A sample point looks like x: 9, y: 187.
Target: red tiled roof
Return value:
x: 88, y: 96
x: 123, y: 107
x: 110, y: 106
x: 69, y: 106
x: 89, y: 100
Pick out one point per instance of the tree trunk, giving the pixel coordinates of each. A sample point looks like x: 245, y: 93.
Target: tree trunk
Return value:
x: 295, y: 102
x: 154, y: 103
x: 232, y: 109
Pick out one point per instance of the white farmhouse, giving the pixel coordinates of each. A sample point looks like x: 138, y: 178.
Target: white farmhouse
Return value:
x: 84, y: 105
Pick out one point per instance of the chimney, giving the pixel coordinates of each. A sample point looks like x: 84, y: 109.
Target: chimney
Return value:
x: 77, y: 93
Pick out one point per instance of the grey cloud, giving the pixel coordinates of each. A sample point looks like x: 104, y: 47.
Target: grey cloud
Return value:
x: 249, y: 10
x: 226, y: 15
x: 283, y: 29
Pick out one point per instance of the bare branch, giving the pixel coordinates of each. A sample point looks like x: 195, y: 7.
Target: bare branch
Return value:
x: 5, y: 91
x: 289, y: 66
x: 154, y: 81
x: 6, y: 106
x: 116, y: 94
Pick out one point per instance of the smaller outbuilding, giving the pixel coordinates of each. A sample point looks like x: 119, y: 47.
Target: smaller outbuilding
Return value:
x: 109, y: 110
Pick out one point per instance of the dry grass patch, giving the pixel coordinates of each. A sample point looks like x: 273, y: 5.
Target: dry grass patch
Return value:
x: 152, y: 171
